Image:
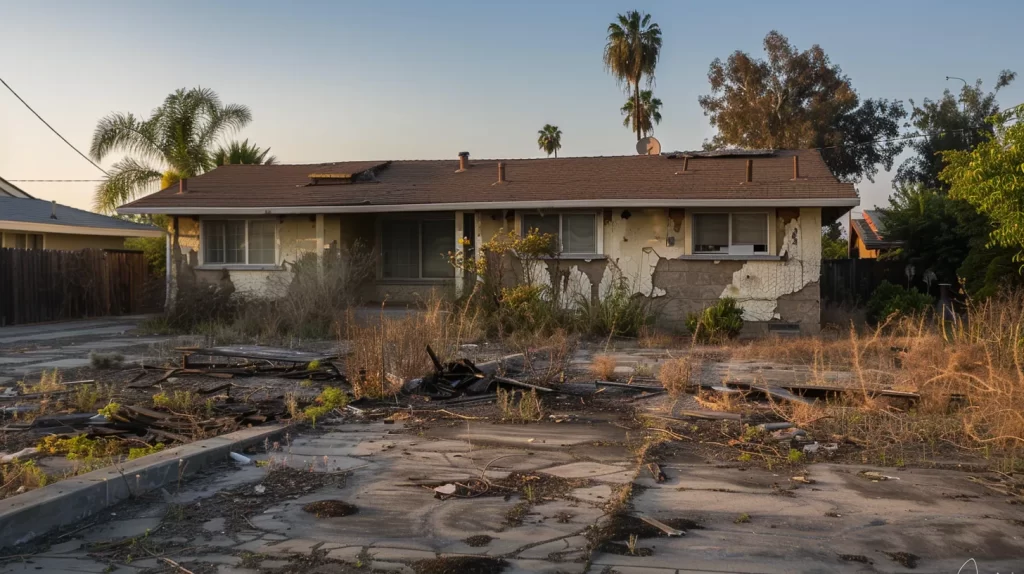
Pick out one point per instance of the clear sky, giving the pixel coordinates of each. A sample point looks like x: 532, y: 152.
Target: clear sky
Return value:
x: 333, y: 81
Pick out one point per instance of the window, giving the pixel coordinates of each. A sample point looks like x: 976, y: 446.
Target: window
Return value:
x: 240, y: 242
x: 417, y: 248
x: 25, y: 240
x: 576, y: 233
x: 730, y: 233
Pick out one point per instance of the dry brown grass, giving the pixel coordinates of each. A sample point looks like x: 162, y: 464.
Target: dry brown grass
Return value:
x: 675, y: 375
x: 392, y: 349
x: 603, y: 367
x: 653, y: 338
x: 969, y: 374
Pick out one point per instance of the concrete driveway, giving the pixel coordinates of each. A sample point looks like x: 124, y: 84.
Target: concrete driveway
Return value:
x: 29, y: 349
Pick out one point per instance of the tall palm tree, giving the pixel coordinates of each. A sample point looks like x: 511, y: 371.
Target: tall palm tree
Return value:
x: 242, y: 153
x: 631, y: 54
x: 650, y: 113
x: 550, y: 140
x: 173, y: 143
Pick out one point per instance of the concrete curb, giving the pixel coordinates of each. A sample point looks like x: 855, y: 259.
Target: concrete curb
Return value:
x: 27, y: 516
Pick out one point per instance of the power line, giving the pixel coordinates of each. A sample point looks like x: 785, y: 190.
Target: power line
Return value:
x: 85, y: 157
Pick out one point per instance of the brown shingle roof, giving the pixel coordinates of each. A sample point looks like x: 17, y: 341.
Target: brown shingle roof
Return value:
x: 423, y: 183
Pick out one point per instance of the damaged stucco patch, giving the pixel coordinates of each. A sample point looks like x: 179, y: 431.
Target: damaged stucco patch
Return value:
x: 758, y: 285
x: 634, y: 246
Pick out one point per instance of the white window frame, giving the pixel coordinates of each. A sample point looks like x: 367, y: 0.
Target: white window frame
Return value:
x: 598, y: 231
x: 203, y: 235
x: 418, y: 220
x: 768, y: 239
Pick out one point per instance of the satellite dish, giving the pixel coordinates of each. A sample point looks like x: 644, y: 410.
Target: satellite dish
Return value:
x: 648, y: 146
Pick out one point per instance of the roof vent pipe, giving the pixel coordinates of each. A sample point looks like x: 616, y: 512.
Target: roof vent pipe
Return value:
x: 463, y: 160
x: 686, y: 163
x: 796, y: 167
x: 750, y: 170
x: 501, y: 172
x: 53, y: 209
x: 183, y: 185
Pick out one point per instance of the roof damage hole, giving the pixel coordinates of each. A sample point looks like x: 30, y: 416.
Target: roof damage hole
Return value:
x: 478, y: 540
x: 626, y: 214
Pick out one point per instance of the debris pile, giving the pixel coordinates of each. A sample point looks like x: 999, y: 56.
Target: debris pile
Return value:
x: 462, y: 377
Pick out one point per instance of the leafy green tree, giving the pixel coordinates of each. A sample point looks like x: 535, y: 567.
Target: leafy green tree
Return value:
x: 174, y: 142
x: 949, y: 123
x: 938, y: 232
x: 631, y: 55
x: 833, y: 245
x: 242, y: 153
x: 648, y: 116
x: 991, y: 178
x: 800, y: 99
x: 549, y: 139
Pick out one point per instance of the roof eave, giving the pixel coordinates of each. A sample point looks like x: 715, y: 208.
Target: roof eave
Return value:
x: 30, y: 227
x: 484, y: 205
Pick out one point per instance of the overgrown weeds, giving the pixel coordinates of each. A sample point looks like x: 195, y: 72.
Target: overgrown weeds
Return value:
x: 519, y: 406
x: 390, y: 350
x: 968, y: 372
x: 603, y: 367
x: 675, y: 375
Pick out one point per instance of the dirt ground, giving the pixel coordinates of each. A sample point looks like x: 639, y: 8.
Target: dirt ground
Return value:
x: 429, y: 487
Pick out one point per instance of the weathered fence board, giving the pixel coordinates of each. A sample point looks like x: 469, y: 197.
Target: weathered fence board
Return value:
x: 46, y: 285
x: 852, y: 281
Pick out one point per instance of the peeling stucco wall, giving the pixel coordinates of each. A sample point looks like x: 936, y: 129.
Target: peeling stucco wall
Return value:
x: 758, y: 285
x: 634, y: 244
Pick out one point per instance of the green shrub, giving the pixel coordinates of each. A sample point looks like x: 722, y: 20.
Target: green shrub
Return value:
x: 716, y: 323
x: 621, y: 312
x: 889, y: 299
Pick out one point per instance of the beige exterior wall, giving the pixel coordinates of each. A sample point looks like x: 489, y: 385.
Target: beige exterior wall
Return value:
x: 649, y: 251
x: 67, y: 241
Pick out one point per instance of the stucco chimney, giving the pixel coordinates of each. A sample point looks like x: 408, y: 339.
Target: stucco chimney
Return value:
x: 501, y: 172
x: 796, y: 167
x: 750, y: 170
x: 463, y: 160
x: 53, y: 209
x: 183, y: 185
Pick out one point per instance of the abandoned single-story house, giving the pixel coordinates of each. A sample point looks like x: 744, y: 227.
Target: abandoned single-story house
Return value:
x: 30, y: 223
x: 684, y: 228
x: 867, y: 236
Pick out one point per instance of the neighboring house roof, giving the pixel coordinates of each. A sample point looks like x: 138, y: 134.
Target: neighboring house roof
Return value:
x: 424, y: 185
x: 38, y: 216
x: 8, y: 189
x: 871, y: 231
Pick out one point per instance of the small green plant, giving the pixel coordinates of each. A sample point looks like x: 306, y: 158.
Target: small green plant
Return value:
x: 745, y: 457
x: 329, y: 399
x: 643, y: 370
x: 85, y: 398
x: 313, y: 365
x: 895, y: 300
x: 742, y: 518
x: 80, y: 447
x: 632, y: 544
x: 306, y: 383
x: 110, y: 410
x: 134, y: 453
x: 528, y: 407
x: 795, y: 456
x: 752, y: 432
x: 716, y: 323
x: 180, y: 401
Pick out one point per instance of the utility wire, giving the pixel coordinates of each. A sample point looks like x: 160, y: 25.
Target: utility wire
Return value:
x: 22, y: 100
x: 54, y: 180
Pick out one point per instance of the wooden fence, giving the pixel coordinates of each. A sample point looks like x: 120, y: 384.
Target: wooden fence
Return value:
x: 40, y: 285
x: 852, y: 281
